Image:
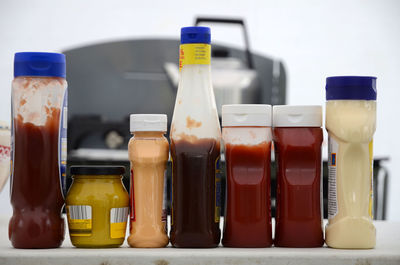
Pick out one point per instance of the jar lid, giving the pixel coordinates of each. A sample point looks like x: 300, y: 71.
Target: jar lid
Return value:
x: 97, y: 170
x: 246, y: 115
x: 297, y: 116
x: 148, y: 123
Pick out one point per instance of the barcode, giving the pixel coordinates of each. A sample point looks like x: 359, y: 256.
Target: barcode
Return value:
x: 80, y: 212
x: 119, y: 215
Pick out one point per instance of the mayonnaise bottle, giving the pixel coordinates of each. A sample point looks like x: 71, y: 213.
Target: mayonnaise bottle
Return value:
x: 351, y: 123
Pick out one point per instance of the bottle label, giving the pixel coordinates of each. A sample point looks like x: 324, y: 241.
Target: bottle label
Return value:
x: 172, y: 192
x: 371, y: 188
x: 132, y: 199
x: 217, y: 190
x: 164, y: 205
x: 62, y: 143
x: 194, y: 53
x: 118, y: 217
x: 79, y: 220
x: 333, y: 148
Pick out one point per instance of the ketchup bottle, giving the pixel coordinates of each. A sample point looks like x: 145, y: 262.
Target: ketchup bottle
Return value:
x: 298, y: 139
x: 247, y: 138
x: 39, y: 144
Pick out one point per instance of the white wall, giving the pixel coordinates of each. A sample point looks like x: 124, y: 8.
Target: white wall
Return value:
x: 314, y: 38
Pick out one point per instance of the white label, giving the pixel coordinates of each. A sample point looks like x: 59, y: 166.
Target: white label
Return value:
x: 119, y: 215
x: 333, y: 148
x: 79, y: 212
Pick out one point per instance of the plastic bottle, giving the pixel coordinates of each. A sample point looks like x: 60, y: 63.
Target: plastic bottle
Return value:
x: 148, y: 152
x: 195, y: 147
x: 39, y: 144
x: 351, y: 123
x: 297, y: 140
x: 247, y: 138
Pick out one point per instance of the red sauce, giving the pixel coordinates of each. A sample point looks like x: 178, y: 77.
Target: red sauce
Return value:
x: 248, y: 207
x: 36, y: 192
x: 298, y: 202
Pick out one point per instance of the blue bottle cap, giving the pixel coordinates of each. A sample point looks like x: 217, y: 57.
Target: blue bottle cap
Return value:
x: 39, y: 64
x: 351, y: 88
x: 195, y: 35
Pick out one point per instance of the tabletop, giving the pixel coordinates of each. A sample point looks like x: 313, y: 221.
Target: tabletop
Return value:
x: 387, y: 251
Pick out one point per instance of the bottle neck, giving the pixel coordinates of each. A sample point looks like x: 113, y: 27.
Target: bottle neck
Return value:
x: 153, y: 134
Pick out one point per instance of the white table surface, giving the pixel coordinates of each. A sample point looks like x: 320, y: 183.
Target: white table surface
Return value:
x: 387, y: 251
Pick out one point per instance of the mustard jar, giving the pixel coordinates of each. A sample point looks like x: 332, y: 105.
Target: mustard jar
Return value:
x: 97, y: 206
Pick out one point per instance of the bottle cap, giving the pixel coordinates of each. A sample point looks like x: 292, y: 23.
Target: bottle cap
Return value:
x: 246, y: 115
x: 195, y: 35
x: 351, y: 88
x: 39, y: 64
x: 148, y: 123
x: 297, y: 116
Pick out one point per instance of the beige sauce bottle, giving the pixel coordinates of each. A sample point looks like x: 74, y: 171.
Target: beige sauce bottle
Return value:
x: 351, y: 123
x: 148, y: 153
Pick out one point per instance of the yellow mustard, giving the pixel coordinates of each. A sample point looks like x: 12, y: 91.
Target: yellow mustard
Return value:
x: 97, y: 206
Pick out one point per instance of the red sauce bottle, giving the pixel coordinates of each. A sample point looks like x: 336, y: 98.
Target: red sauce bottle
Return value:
x: 39, y: 150
x: 247, y: 137
x: 298, y: 138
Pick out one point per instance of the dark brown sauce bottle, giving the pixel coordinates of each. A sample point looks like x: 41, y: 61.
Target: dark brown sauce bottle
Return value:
x: 36, y: 194
x: 195, y: 212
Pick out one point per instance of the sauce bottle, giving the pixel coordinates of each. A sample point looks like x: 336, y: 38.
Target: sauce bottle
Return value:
x: 195, y: 147
x: 247, y: 138
x: 39, y: 145
x: 148, y: 153
x: 351, y: 123
x: 297, y: 140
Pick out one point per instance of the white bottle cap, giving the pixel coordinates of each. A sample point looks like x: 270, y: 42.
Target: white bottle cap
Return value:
x: 148, y: 123
x: 246, y: 115
x: 297, y: 116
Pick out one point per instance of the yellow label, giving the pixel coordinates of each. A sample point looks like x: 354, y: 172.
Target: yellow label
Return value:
x: 371, y: 189
x: 79, y: 220
x: 194, y: 53
x: 117, y: 230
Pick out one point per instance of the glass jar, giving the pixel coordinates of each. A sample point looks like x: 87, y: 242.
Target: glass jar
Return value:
x: 97, y: 206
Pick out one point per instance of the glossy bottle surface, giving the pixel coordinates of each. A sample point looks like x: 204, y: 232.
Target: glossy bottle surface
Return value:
x: 104, y: 194
x: 298, y: 205
x: 36, y: 188
x: 195, y: 215
x: 148, y: 152
x: 248, y: 207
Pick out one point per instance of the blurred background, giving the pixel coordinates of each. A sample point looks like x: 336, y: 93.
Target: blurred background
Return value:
x: 121, y: 55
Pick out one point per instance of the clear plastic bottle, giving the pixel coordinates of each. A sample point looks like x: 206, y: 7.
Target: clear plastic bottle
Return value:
x: 247, y: 139
x: 39, y: 146
x: 351, y: 123
x: 195, y: 147
x: 148, y: 152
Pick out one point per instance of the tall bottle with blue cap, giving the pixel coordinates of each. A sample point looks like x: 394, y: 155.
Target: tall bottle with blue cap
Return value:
x: 351, y: 123
x: 195, y: 147
x: 39, y: 131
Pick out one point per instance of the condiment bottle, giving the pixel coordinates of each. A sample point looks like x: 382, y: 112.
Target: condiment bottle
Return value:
x: 297, y: 140
x: 247, y: 138
x: 195, y: 147
x: 148, y: 153
x: 97, y: 206
x: 351, y: 123
x: 39, y: 144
